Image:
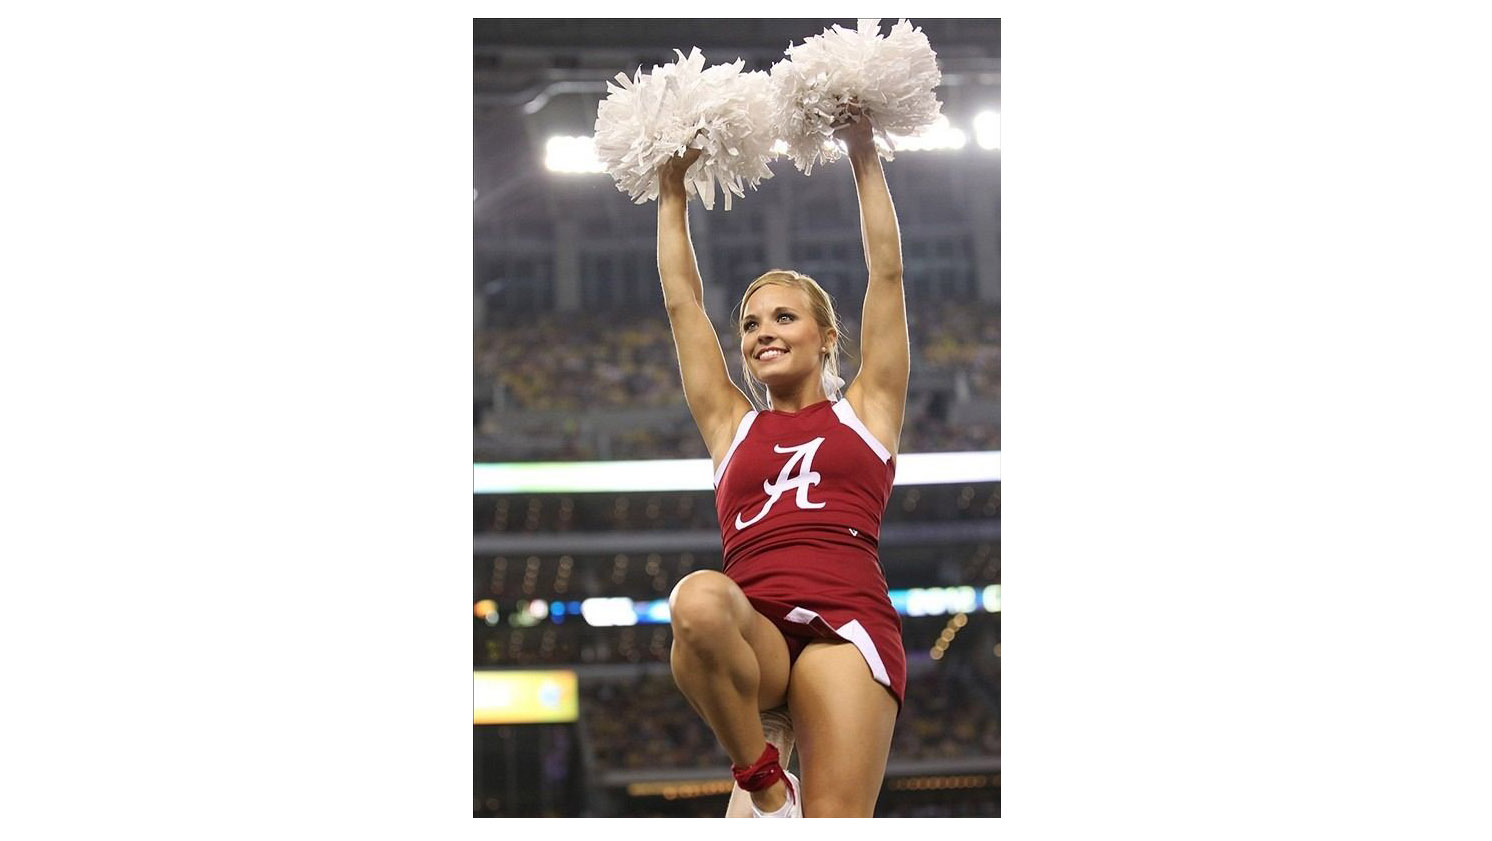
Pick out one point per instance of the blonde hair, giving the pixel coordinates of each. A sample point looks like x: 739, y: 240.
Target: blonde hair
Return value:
x: 822, y: 307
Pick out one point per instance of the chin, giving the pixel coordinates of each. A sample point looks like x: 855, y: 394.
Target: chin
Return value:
x: 784, y: 382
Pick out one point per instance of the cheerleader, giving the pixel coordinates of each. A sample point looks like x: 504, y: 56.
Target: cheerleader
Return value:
x: 799, y: 615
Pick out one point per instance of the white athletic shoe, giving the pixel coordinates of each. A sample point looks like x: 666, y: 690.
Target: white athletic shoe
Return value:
x: 777, y: 726
x: 793, y: 808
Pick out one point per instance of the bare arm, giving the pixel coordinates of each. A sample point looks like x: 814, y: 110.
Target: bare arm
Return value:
x: 879, y: 393
x: 715, y: 402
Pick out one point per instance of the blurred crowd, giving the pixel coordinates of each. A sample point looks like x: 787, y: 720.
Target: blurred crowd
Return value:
x: 959, y: 339
x: 579, y: 360
x: 644, y: 722
x: 543, y: 387
x: 947, y: 717
x: 562, y: 513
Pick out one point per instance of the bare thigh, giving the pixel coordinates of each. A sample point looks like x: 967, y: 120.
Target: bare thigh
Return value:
x: 772, y: 658
x: 719, y: 604
x: 843, y: 721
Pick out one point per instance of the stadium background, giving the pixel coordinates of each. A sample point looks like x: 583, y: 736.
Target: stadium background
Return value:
x: 573, y: 362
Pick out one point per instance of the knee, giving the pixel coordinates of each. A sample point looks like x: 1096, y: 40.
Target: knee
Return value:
x: 702, y: 607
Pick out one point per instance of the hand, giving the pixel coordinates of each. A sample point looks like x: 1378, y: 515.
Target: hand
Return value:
x: 856, y: 131
x: 672, y: 170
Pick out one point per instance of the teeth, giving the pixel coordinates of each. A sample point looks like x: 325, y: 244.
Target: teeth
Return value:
x: 771, y: 354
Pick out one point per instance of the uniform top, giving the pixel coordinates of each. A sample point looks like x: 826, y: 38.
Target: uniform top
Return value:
x: 792, y: 475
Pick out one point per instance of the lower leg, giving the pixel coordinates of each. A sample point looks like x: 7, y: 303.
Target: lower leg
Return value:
x: 717, y: 665
x: 777, y: 726
x: 722, y: 686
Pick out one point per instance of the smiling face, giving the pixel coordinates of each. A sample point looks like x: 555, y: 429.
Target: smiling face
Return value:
x: 781, y: 342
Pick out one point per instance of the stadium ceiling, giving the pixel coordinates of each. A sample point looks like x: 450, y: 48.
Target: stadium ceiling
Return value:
x: 535, y: 77
x: 518, y: 60
x: 560, y: 34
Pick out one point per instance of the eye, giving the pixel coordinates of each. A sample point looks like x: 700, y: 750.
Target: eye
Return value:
x: 786, y: 316
x: 748, y: 326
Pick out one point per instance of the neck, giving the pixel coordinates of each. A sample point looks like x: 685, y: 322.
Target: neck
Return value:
x: 797, y: 399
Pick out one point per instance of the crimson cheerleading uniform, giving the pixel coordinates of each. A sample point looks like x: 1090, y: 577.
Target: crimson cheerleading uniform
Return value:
x: 800, y: 497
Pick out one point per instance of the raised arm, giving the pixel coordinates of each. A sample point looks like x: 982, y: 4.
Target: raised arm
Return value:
x: 879, y: 392
x: 715, y: 402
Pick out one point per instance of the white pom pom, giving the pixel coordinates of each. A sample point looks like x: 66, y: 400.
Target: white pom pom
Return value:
x: 720, y: 110
x: 891, y: 79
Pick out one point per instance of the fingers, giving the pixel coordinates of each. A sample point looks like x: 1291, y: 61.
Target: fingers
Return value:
x: 852, y: 115
x: 855, y: 124
x: 681, y: 161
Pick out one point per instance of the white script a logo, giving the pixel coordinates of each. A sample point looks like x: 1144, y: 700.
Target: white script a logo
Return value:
x: 786, y: 481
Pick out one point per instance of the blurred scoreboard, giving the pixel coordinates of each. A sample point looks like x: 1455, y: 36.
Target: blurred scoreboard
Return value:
x: 524, y: 697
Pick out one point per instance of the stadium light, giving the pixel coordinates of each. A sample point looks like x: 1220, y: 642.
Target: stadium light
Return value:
x: 940, y: 135
x: 991, y: 598
x: 608, y: 613
x: 572, y: 155
x: 987, y: 130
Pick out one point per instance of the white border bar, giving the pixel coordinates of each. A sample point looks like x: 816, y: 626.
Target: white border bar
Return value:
x: 694, y: 474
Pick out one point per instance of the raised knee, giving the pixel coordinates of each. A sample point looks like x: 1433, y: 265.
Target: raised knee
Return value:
x: 700, y: 606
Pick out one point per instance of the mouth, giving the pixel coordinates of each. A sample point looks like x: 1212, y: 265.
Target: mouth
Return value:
x: 770, y: 353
